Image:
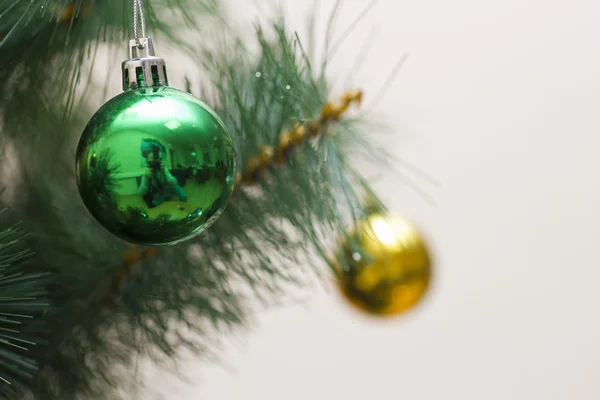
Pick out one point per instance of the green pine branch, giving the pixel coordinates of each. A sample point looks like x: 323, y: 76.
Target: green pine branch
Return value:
x: 276, y: 232
x: 22, y: 305
x: 48, y: 47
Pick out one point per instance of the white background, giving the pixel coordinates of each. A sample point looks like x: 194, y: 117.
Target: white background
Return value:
x: 499, y: 101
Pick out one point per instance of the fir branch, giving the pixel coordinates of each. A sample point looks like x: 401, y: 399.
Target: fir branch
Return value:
x: 260, y: 99
x: 112, y: 303
x: 296, y: 136
x: 21, y: 305
x: 45, y: 46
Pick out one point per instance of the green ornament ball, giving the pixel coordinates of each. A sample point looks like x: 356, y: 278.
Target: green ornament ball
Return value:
x: 155, y: 166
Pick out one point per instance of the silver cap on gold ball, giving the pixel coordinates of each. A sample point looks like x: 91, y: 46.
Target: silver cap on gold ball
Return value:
x: 143, y: 68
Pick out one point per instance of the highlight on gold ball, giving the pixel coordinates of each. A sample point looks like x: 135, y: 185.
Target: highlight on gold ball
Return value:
x: 383, y: 267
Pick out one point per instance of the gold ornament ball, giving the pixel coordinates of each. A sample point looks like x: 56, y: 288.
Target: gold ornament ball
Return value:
x: 384, y: 267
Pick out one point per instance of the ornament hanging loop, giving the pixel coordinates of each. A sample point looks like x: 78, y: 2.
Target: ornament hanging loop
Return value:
x: 142, y: 69
x: 138, y: 13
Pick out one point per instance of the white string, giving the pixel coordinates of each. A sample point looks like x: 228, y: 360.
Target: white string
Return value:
x: 138, y: 12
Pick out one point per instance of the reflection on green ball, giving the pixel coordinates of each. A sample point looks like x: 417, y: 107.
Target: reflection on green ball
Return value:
x: 155, y: 166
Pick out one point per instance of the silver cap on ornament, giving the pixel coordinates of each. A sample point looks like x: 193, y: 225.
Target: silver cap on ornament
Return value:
x: 143, y: 68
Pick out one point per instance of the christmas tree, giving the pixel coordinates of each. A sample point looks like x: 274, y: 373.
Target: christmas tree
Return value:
x: 77, y: 302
